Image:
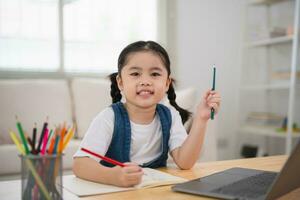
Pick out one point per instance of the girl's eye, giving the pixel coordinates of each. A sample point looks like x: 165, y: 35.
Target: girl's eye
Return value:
x: 155, y: 74
x: 134, y: 74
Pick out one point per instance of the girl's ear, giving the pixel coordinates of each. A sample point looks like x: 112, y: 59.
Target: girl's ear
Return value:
x: 169, y: 81
x: 120, y: 83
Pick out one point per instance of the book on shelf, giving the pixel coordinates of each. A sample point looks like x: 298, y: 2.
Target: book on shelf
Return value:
x: 268, y: 130
x: 151, y: 178
x: 283, y: 75
x: 263, y: 33
x: 264, y: 119
x: 254, y: 2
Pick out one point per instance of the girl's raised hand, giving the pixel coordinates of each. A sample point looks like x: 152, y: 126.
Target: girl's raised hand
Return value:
x: 128, y: 176
x: 211, y: 99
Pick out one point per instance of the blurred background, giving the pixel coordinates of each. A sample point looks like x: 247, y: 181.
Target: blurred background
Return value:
x: 75, y: 43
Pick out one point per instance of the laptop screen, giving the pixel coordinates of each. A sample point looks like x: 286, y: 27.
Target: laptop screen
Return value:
x: 289, y: 177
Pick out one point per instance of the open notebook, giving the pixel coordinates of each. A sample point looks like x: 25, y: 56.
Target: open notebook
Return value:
x: 151, y: 178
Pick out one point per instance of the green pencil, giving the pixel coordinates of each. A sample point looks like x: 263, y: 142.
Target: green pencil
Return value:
x: 22, y: 136
x: 212, y: 112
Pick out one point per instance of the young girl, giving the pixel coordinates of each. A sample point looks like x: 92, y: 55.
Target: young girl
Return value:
x: 141, y: 132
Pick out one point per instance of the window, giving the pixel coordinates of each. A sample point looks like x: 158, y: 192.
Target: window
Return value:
x: 28, y: 35
x: 94, y: 32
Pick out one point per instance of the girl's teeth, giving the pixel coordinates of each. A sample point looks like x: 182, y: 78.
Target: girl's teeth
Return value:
x: 144, y: 92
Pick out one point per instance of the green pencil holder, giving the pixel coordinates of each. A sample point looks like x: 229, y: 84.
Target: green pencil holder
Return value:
x: 41, y: 177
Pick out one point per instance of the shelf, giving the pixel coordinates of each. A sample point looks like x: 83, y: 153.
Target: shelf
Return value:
x: 264, y: 2
x: 277, y: 86
x: 273, y: 86
x: 265, y: 131
x: 270, y: 41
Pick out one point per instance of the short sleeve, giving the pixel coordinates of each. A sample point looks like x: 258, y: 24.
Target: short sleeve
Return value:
x: 178, y: 133
x: 99, y: 135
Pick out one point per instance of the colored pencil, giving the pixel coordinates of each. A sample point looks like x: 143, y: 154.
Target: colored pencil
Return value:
x: 34, y: 137
x: 42, y: 135
x: 49, y: 136
x: 16, y: 141
x: 22, y: 136
x: 30, y: 143
x: 51, y: 147
x: 68, y: 137
x: 212, y: 111
x: 62, y: 136
x: 45, y: 139
x: 109, y: 160
x: 55, y: 149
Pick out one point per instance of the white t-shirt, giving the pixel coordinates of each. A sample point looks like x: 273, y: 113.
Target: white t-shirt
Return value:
x: 146, y: 140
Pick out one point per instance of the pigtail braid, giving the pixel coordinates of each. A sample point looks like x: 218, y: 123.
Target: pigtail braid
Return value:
x: 115, y: 92
x: 185, y: 114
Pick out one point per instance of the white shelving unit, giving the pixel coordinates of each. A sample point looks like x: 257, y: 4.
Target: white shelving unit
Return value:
x: 259, y: 91
x: 271, y: 41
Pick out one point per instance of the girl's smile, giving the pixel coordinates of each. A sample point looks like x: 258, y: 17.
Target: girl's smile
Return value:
x: 145, y: 93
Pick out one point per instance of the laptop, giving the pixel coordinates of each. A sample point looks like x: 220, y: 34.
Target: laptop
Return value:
x: 243, y: 183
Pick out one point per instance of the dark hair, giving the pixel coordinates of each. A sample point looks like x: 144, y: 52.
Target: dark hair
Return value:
x: 162, y: 53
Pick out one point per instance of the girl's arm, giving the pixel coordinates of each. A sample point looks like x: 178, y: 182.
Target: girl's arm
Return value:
x: 89, y: 169
x: 188, y: 153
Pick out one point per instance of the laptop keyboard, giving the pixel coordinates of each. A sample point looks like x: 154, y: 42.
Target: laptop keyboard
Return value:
x: 250, y: 187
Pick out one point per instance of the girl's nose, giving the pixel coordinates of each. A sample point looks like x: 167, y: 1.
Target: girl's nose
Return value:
x: 145, y: 83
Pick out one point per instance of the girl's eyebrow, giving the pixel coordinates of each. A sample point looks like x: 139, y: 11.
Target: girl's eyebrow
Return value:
x: 156, y: 68
x: 139, y: 68
x: 135, y: 68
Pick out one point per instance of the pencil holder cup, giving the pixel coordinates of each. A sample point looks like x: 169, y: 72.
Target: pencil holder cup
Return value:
x: 41, y: 177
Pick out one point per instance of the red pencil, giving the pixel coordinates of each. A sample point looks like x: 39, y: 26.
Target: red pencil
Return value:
x: 114, y: 162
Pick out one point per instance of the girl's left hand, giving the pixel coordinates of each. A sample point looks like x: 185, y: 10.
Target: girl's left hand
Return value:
x: 211, y: 99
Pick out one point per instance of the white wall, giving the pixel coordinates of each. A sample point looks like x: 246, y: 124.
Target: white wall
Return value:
x: 202, y: 33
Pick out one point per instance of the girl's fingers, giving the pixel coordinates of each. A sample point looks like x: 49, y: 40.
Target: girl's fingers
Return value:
x: 134, y: 176
x: 214, y: 100
x: 206, y: 94
x: 218, y: 101
x: 212, y: 94
x: 214, y: 106
x: 132, y: 169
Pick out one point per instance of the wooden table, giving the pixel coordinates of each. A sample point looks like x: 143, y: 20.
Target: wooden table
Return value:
x: 11, y: 189
x: 273, y: 163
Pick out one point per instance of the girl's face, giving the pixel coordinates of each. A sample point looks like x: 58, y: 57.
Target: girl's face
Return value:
x: 144, y: 79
